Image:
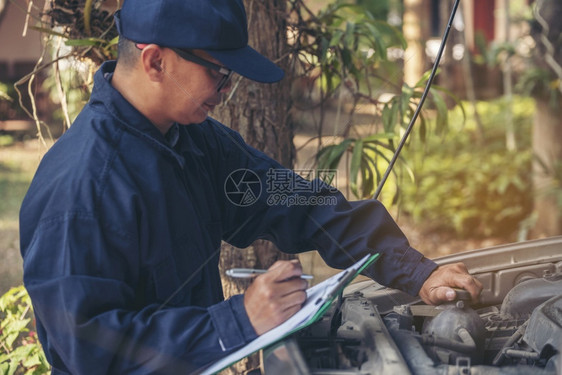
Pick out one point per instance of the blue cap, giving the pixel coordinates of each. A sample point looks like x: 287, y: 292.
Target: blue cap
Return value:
x: 218, y: 27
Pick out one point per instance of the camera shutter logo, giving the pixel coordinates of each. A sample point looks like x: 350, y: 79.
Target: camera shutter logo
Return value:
x: 242, y: 187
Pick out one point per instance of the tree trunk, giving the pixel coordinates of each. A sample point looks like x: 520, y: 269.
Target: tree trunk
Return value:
x: 416, y: 26
x: 547, y: 125
x: 547, y: 133
x: 261, y: 114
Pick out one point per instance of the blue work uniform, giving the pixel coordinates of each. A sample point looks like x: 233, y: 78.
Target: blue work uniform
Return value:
x: 121, y: 230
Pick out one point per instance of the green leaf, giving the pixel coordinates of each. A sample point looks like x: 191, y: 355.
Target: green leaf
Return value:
x: 86, y: 42
x: 336, y: 38
x: 442, y: 113
x: 378, y: 136
x: 330, y: 156
x: 112, y: 42
x: 394, y: 33
x: 31, y: 358
x: 407, y: 93
x: 380, y: 49
x: 355, y: 164
x: 324, y: 45
x: 389, y: 117
x: 450, y: 94
x: 370, y: 172
x: 349, y: 35
x: 11, y: 368
x: 422, y: 128
x: 423, y: 80
x: 347, y: 59
x: 408, y: 170
x: 47, y: 31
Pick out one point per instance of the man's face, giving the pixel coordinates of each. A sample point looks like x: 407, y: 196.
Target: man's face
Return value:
x: 193, y: 89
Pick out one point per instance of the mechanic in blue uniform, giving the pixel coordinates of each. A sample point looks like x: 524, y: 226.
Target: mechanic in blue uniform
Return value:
x: 122, y: 224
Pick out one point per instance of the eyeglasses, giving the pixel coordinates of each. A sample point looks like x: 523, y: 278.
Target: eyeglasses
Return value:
x: 189, y: 56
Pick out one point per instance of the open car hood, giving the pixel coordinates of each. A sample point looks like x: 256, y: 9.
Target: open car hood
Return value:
x: 516, y: 328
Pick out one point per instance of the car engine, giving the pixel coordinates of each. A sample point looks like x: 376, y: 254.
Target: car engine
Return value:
x: 376, y: 330
x: 521, y: 336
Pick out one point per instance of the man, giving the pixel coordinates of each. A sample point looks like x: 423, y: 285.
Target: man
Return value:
x: 122, y: 225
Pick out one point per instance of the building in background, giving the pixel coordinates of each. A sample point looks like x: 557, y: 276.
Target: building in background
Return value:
x: 20, y: 49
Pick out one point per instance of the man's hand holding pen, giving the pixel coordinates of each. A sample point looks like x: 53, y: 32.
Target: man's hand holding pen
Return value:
x: 275, y: 296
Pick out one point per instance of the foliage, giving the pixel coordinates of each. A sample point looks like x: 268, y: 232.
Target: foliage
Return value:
x: 540, y: 83
x: 541, y: 76
x: 371, y: 155
x: 474, y: 189
x: 379, y: 9
x: 21, y: 352
x: 365, y: 156
x: 537, y: 52
x: 546, y: 32
x: 344, y: 50
x: 341, y: 44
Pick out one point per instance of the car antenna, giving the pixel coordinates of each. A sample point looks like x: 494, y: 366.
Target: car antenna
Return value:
x: 420, y: 104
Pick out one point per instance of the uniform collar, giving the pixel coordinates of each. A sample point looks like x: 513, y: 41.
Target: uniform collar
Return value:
x: 126, y: 115
x: 173, y: 135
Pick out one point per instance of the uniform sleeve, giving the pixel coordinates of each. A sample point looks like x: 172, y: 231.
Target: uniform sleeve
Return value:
x: 84, y: 280
x: 300, y: 215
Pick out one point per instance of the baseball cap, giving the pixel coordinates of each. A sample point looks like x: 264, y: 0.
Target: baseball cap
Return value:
x: 219, y: 27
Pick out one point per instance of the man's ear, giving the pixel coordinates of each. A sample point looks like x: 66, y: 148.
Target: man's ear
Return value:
x: 152, y: 60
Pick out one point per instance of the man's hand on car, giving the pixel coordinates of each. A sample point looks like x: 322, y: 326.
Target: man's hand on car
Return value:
x: 438, y: 288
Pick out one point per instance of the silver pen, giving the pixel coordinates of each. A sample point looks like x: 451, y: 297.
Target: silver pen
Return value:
x: 245, y: 273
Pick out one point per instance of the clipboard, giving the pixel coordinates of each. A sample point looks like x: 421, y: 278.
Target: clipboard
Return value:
x: 319, y: 299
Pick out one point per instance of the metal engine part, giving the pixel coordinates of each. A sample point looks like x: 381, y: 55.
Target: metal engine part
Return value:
x: 544, y: 331
x: 527, y: 295
x: 457, y: 332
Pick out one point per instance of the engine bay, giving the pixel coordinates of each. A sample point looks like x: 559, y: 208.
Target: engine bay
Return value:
x: 376, y: 330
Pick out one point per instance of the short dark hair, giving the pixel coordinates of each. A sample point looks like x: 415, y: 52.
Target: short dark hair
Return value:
x: 127, y: 52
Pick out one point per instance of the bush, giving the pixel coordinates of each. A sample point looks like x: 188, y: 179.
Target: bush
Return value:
x: 468, y: 182
x: 21, y: 352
